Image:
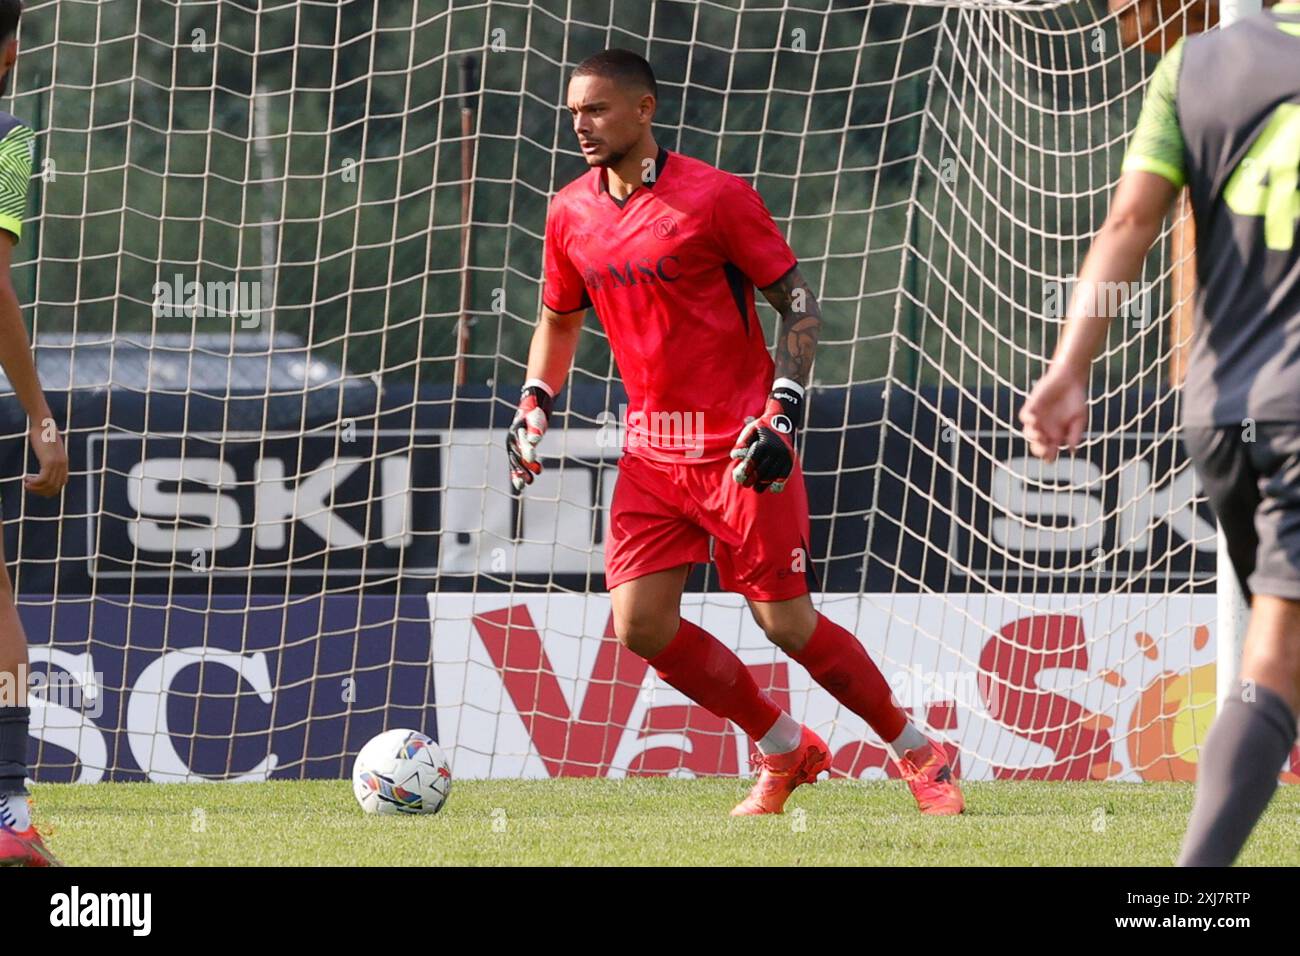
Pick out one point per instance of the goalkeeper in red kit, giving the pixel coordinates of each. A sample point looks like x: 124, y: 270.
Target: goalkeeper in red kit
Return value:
x: 668, y: 249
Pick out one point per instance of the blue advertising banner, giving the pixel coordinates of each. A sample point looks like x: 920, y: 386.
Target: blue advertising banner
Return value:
x: 243, y: 578
x: 187, y: 689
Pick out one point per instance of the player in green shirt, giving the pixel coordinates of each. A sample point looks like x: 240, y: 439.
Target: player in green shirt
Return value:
x: 20, y: 844
x: 1222, y: 117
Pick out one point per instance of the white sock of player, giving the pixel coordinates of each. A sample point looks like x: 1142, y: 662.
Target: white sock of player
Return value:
x: 909, y: 739
x: 783, y: 737
x: 14, y: 812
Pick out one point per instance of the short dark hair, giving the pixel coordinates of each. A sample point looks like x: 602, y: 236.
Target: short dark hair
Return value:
x: 621, y: 66
x: 10, y: 11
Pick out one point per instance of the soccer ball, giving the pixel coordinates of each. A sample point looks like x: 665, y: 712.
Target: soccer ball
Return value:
x: 401, y: 771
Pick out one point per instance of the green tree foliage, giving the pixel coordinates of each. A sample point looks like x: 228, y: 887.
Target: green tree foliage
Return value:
x: 932, y: 167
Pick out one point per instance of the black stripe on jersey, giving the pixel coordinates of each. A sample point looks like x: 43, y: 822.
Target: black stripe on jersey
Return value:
x: 737, y: 281
x: 584, y: 304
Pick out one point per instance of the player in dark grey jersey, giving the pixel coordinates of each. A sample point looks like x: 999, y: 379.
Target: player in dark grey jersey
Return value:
x: 1222, y: 116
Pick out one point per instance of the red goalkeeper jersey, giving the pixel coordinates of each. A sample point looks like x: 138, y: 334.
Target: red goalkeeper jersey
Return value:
x: 671, y: 274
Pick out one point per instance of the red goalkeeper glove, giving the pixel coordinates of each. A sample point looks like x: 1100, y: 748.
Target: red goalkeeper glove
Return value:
x: 765, y: 447
x: 526, y: 432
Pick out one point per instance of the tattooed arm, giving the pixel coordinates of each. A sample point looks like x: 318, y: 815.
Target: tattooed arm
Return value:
x: 800, y: 328
x: 765, y: 449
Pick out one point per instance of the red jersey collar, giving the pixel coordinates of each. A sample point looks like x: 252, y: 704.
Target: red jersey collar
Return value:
x: 602, y: 186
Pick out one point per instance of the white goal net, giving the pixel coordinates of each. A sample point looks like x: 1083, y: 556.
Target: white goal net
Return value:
x: 282, y: 274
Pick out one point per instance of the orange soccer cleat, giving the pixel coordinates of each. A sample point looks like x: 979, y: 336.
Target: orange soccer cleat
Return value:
x: 779, y: 774
x: 932, y: 782
x: 24, y: 848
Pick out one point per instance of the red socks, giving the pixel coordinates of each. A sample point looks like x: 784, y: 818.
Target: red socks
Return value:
x: 839, y: 662
x: 702, y: 668
x: 699, y: 666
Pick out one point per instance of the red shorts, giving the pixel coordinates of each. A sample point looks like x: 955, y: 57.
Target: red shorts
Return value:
x: 663, y: 516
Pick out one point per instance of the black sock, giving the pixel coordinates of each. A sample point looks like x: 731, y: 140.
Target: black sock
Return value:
x: 1236, y: 777
x: 13, y: 749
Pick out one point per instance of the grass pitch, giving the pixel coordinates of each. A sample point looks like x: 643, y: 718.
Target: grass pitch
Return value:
x: 642, y: 821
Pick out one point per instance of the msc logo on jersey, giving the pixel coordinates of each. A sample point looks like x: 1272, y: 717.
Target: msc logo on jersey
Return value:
x: 633, y: 272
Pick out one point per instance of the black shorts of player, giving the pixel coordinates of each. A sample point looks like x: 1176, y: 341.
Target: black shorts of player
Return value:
x: 1254, y: 489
